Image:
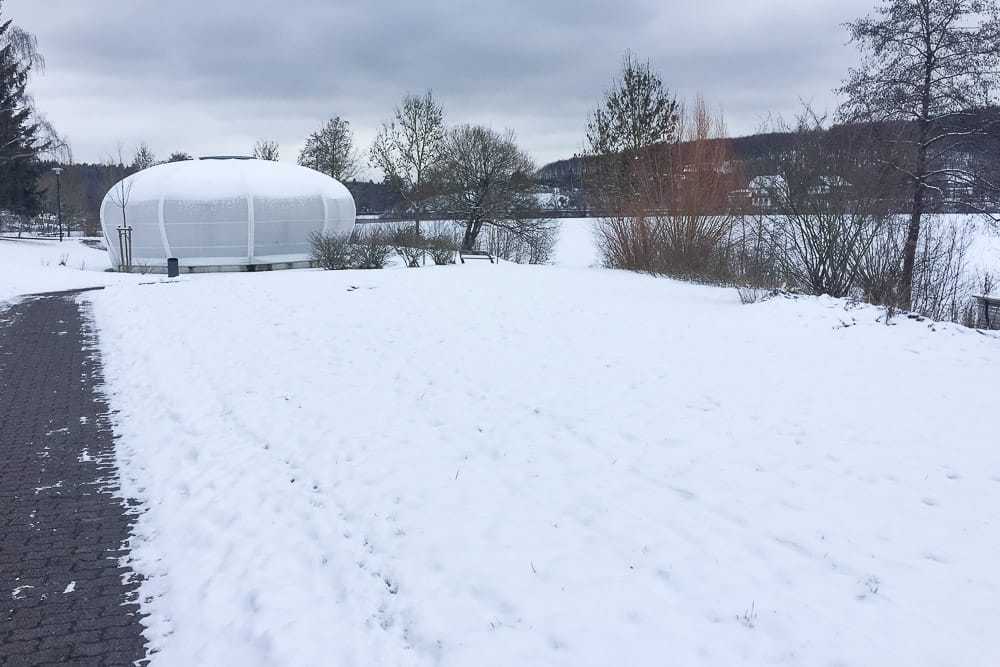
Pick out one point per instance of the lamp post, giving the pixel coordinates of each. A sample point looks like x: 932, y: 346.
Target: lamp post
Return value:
x: 59, y: 170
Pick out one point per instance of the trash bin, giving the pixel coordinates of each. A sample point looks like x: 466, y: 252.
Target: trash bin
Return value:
x: 173, y: 270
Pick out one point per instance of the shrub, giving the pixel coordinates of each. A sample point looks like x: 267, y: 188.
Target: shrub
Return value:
x: 691, y: 246
x: 755, y: 260
x: 370, y: 247
x: 540, y: 243
x: 331, y: 251
x: 407, y: 243
x: 442, y: 248
x: 942, y: 283
x: 441, y: 242
x: 880, y: 268
x: 628, y: 243
x: 523, y: 241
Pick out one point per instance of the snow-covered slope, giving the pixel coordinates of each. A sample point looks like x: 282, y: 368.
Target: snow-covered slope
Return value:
x: 502, y: 465
x: 28, y: 266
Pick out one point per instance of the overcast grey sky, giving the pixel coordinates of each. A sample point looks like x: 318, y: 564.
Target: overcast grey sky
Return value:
x: 212, y: 76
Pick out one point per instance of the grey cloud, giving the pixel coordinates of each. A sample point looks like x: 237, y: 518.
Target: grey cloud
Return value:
x: 212, y: 75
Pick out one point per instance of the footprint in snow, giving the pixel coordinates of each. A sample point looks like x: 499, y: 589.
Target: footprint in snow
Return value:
x: 869, y: 587
x: 683, y: 493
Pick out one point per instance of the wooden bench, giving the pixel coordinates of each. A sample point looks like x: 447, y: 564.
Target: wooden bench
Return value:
x: 474, y: 254
x: 988, y: 312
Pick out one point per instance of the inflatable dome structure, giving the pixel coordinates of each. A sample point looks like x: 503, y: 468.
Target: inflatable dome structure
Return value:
x: 224, y: 214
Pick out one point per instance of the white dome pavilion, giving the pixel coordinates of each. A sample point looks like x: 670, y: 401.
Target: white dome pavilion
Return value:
x: 224, y: 214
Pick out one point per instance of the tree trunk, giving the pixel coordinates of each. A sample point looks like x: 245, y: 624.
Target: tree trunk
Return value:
x: 416, y: 224
x: 905, y: 296
x: 471, y: 233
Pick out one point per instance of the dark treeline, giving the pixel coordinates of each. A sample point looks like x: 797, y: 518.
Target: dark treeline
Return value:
x: 761, y: 154
x: 373, y: 198
x: 84, y: 185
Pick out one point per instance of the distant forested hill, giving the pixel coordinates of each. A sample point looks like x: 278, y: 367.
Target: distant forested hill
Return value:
x: 758, y: 153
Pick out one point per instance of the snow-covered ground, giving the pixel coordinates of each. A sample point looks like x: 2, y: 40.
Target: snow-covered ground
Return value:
x: 28, y: 266
x: 506, y: 465
x: 499, y: 465
x: 576, y: 246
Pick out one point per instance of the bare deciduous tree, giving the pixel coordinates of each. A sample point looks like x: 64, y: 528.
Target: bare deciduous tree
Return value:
x: 485, y: 179
x: 265, y: 149
x: 330, y: 150
x: 119, y: 195
x: 828, y: 195
x: 932, y: 65
x: 408, y: 150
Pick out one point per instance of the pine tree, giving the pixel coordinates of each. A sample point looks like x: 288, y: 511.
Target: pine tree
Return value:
x: 266, y: 149
x: 330, y: 150
x: 630, y: 137
x: 20, y: 144
x: 143, y: 159
x: 637, y: 112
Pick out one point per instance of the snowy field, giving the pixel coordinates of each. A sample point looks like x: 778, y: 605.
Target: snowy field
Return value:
x: 504, y: 465
x: 512, y: 465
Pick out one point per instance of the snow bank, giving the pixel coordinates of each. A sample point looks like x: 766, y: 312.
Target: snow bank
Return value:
x: 502, y: 465
x: 28, y: 266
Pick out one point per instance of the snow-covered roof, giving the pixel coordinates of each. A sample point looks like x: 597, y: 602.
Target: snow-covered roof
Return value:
x: 220, y: 178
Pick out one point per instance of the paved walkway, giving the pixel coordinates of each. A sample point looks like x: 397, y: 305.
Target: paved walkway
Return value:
x: 62, y: 596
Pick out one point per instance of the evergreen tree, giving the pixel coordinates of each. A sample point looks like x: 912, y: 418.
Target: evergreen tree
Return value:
x: 20, y: 143
x: 630, y: 135
x: 330, y: 150
x: 143, y: 159
x: 638, y: 111
x: 265, y: 149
